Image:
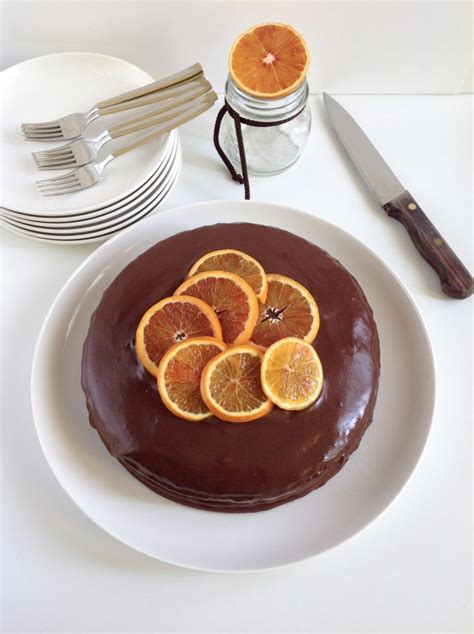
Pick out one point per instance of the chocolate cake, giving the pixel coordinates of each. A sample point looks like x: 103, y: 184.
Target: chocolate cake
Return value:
x: 213, y: 464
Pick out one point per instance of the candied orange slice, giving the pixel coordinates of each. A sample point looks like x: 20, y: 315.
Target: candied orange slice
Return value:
x: 289, y: 311
x: 232, y: 299
x: 231, y: 387
x: 179, y: 376
x: 236, y: 262
x: 172, y: 320
x: 291, y: 374
x: 269, y: 60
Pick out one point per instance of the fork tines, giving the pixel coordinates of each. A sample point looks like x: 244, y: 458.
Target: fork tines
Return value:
x: 50, y: 128
x: 53, y: 131
x: 59, y: 185
x: 49, y: 159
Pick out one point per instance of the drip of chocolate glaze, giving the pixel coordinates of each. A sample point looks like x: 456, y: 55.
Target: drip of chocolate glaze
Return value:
x: 213, y: 464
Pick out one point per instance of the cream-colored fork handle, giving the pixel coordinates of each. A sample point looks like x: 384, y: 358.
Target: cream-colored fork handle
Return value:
x: 157, y: 117
x: 187, y: 116
x: 171, y: 102
x: 178, y: 78
x: 163, y: 95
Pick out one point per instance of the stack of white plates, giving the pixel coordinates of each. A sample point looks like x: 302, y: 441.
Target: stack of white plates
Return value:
x: 132, y: 186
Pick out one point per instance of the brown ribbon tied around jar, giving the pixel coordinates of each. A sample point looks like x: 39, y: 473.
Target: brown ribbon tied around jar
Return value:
x: 238, y: 121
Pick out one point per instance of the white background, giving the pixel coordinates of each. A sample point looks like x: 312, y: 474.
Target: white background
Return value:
x: 355, y: 47
x: 411, y: 570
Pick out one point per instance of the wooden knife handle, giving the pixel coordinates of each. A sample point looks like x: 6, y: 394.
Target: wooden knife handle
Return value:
x: 456, y: 281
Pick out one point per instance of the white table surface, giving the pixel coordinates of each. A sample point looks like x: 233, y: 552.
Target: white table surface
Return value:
x: 411, y: 569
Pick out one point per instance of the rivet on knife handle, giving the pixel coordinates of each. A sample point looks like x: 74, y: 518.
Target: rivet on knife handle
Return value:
x: 456, y: 281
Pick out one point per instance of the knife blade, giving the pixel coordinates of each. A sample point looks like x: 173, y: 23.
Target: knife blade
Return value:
x: 398, y: 203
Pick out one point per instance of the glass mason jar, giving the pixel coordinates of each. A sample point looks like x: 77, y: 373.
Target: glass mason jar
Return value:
x: 273, y: 149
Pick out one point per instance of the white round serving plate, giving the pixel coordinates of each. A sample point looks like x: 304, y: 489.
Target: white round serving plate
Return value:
x: 150, y: 205
x: 231, y: 542
x: 96, y: 225
x: 49, y: 87
x: 115, y: 209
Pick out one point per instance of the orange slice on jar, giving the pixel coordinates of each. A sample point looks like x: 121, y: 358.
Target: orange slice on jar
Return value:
x: 236, y: 262
x: 231, y: 386
x: 269, y: 60
x: 170, y: 321
x: 292, y: 374
x: 232, y: 299
x: 289, y: 311
x: 179, y: 376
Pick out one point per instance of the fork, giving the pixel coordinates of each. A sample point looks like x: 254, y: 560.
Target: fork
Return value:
x: 73, y: 125
x: 83, y: 151
x: 88, y: 175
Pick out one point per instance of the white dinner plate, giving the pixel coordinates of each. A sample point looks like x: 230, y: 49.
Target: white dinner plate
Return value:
x: 98, y: 224
x: 122, y: 506
x: 71, y: 220
x: 52, y: 86
x: 150, y: 206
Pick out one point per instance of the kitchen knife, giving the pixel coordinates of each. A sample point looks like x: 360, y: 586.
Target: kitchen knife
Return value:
x: 398, y: 203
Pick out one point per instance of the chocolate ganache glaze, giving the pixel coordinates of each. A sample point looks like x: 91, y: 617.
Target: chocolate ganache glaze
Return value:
x: 213, y: 464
